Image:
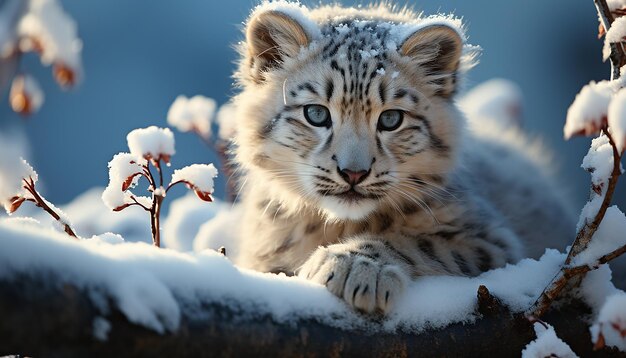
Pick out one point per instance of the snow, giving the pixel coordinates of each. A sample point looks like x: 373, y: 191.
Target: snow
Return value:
x: 157, y: 287
x: 294, y: 10
x: 192, y: 114
x: 26, y: 94
x: 599, y: 163
x: 186, y: 216
x: 124, y: 172
x: 13, y: 170
x: 616, y: 4
x: 47, y: 28
x: 227, y: 121
x: 220, y: 231
x: 151, y: 143
x: 498, y: 99
x: 609, y: 237
x: 611, y: 322
x: 616, y: 33
x: 198, y: 176
x: 617, y: 119
x: 588, y: 112
x: 547, y: 344
x: 101, y: 328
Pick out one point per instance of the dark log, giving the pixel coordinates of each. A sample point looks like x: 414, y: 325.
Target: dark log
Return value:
x: 41, y: 318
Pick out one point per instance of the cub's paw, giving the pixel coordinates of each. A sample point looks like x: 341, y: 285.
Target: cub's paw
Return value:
x: 359, y: 279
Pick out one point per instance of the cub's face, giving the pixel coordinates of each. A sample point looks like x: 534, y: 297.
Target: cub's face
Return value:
x: 345, y: 123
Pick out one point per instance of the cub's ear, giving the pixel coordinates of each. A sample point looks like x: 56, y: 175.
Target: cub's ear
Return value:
x: 270, y: 37
x: 437, y: 49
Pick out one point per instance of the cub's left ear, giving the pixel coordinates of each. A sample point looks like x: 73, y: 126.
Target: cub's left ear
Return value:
x: 437, y: 49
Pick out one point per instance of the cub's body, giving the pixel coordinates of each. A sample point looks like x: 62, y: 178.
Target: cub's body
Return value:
x: 360, y: 173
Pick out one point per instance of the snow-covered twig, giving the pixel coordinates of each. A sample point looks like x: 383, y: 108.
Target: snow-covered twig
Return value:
x: 572, y: 269
x: 617, y: 54
x: 151, y: 146
x: 29, y: 185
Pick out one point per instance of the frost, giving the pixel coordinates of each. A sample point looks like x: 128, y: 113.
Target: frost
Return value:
x: 610, y: 325
x: 151, y: 143
x: 617, y: 119
x: 547, y: 344
x: 192, y: 114
x: 227, y: 121
x: 588, y: 112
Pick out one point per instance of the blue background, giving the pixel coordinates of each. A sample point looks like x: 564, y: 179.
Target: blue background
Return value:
x: 139, y: 55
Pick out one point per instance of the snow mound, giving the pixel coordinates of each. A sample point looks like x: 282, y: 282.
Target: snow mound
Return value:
x: 156, y: 287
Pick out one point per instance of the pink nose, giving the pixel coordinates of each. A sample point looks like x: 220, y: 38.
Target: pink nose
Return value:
x: 353, y: 177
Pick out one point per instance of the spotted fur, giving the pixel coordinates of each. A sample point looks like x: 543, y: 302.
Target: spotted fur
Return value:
x: 438, y: 198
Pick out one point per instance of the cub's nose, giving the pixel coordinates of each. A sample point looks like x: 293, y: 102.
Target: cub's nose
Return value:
x: 353, y: 177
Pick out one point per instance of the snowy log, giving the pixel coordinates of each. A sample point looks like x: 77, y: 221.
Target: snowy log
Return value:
x: 41, y: 317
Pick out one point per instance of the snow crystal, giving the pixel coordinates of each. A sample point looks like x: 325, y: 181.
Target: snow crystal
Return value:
x: 380, y: 71
x: 192, y: 114
x: 200, y: 176
x: 498, y: 99
x: 611, y: 322
x: 365, y: 54
x: 589, y: 109
x: 46, y: 27
x: 342, y: 29
x: 617, y: 119
x: 227, y: 121
x: 186, y: 216
x: 151, y: 143
x: 547, y: 344
x: 616, y: 33
x: 609, y: 237
x: 26, y: 94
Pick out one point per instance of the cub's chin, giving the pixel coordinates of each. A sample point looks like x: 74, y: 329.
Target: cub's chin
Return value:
x: 339, y: 208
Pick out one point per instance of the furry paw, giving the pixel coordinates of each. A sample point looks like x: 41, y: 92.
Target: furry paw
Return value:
x: 364, y: 283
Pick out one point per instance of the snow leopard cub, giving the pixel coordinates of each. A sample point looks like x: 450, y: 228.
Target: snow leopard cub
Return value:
x: 359, y: 172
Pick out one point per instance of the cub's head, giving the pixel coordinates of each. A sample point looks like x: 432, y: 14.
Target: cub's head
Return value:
x: 348, y: 111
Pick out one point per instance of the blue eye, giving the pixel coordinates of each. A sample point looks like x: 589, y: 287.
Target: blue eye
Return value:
x: 317, y: 115
x: 390, y: 120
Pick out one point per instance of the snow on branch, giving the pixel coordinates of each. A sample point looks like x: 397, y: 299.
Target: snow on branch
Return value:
x: 547, y: 344
x: 148, y: 148
x: 610, y: 326
x: 19, y: 180
x: 42, y: 27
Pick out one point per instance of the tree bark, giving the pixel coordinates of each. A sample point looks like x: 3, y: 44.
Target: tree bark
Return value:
x: 42, y: 317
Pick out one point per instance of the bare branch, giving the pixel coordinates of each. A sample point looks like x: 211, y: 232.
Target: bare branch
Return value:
x: 29, y: 185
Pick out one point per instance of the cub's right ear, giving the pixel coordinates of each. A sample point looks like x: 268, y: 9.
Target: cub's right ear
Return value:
x: 271, y: 36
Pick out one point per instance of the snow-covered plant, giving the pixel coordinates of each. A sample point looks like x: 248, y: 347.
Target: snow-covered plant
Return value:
x: 599, y: 109
x: 18, y: 179
x: 149, y: 147
x: 610, y: 326
x: 42, y: 27
x: 197, y: 115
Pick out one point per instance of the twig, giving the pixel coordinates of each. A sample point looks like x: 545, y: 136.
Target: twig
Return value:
x: 618, y: 54
x: 29, y: 185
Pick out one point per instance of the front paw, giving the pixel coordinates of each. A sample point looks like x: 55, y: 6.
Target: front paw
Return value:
x: 363, y: 282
